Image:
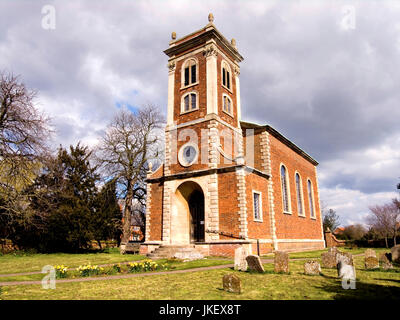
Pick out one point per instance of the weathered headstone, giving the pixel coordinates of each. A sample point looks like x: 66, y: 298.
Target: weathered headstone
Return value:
x: 346, y: 271
x: 312, y: 267
x: 329, y: 260
x: 371, y: 263
x: 345, y: 257
x: 395, y: 254
x: 281, y: 262
x: 232, y: 283
x: 384, y: 260
x: 370, y: 253
x: 333, y: 250
x: 254, y: 263
x: 240, y: 258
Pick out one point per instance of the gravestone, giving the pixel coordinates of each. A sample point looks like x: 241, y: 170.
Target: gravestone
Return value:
x: 240, y: 258
x: 254, y: 263
x: 312, y: 267
x: 329, y: 260
x: 370, y: 253
x: 281, y: 262
x: 345, y: 257
x: 371, y: 263
x: 232, y: 283
x: 385, y: 259
x: 346, y: 271
x: 395, y: 254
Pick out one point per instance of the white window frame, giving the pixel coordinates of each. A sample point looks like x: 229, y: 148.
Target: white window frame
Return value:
x: 288, y: 189
x: 312, y: 199
x: 224, y: 95
x: 260, y: 219
x: 227, y: 67
x: 190, y: 73
x: 183, y: 111
x: 301, y: 194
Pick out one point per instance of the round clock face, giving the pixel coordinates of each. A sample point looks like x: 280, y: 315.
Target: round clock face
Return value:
x: 188, y: 154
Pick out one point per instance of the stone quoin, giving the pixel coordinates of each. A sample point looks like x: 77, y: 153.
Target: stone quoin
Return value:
x: 225, y: 183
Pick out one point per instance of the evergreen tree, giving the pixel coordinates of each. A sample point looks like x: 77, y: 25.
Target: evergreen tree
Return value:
x: 108, y: 215
x: 64, y: 201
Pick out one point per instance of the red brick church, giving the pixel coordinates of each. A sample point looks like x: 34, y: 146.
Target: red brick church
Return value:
x: 225, y: 182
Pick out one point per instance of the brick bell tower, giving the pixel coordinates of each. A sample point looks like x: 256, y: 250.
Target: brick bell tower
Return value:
x: 203, y: 142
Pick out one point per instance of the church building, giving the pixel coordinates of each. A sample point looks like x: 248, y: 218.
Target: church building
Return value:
x: 225, y: 182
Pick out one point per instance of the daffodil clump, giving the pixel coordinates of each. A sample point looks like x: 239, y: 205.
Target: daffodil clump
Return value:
x: 117, y: 268
x: 146, y: 265
x: 89, y: 270
x: 61, y: 271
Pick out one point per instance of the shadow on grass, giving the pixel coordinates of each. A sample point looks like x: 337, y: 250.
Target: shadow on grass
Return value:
x: 363, y: 291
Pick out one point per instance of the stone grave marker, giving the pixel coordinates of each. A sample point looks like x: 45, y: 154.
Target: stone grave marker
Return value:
x: 232, y: 283
x: 240, y: 258
x: 281, y: 262
x: 329, y: 259
x: 254, y: 263
x: 385, y: 260
x: 312, y: 267
x: 395, y: 254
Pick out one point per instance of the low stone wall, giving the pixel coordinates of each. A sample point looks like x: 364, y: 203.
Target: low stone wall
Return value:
x: 331, y: 240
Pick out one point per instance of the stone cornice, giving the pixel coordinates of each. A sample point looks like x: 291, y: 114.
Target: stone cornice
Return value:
x: 197, y: 173
x: 205, y: 34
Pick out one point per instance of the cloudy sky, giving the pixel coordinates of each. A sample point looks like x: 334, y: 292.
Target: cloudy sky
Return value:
x: 323, y: 73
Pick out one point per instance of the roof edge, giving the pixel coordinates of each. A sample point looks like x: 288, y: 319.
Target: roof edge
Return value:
x: 280, y: 137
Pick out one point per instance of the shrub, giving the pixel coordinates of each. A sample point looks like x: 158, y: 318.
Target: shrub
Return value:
x: 61, y: 271
x: 89, y: 270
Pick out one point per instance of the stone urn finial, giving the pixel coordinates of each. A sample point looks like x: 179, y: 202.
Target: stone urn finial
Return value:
x: 233, y: 42
x: 210, y: 18
x: 173, y: 35
x: 150, y: 166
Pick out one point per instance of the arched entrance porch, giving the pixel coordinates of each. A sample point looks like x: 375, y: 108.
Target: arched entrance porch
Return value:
x: 187, y: 221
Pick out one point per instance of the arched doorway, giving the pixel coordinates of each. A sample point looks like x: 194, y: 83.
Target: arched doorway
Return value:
x: 196, y: 208
x: 187, y: 223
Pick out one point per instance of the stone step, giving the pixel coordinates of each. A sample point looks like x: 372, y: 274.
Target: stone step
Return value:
x: 180, y: 251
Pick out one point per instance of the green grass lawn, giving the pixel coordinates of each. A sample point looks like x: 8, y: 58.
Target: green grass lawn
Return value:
x: 24, y: 262
x: 208, y: 285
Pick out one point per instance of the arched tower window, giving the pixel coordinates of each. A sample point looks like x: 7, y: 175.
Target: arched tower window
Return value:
x: 189, y: 102
x: 285, y: 189
x: 189, y: 72
x: 299, y: 191
x: 227, y: 104
x: 226, y: 75
x: 310, y: 198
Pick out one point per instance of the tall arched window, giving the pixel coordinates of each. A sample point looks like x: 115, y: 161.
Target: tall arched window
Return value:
x: 226, y: 75
x: 189, y: 102
x: 310, y: 198
x: 227, y: 104
x: 299, y: 192
x: 189, y: 72
x: 285, y: 189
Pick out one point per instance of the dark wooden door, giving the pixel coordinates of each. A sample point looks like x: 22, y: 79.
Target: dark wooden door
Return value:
x: 196, y: 206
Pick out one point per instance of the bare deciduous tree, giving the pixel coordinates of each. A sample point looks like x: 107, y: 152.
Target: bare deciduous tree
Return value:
x: 24, y: 131
x: 384, y: 220
x: 130, y: 141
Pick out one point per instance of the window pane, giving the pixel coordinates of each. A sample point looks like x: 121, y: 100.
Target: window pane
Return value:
x: 284, y: 190
x: 193, y: 74
x: 223, y: 76
x: 299, y: 199
x: 186, y: 100
x: 228, y: 80
x: 310, y: 199
x: 256, y: 205
x: 229, y: 105
x: 193, y: 100
x: 186, y: 76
